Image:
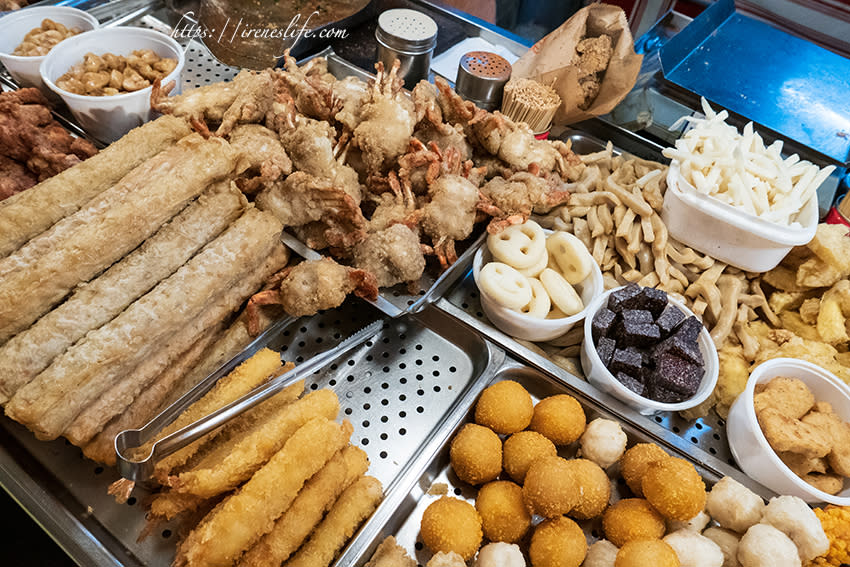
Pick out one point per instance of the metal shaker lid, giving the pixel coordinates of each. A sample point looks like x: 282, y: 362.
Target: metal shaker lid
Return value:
x: 481, y: 78
x: 407, y: 30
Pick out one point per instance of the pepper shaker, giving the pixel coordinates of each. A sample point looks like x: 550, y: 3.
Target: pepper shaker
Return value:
x: 481, y: 78
x: 410, y: 37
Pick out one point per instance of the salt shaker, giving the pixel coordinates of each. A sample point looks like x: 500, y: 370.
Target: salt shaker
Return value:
x: 410, y: 37
x: 481, y: 78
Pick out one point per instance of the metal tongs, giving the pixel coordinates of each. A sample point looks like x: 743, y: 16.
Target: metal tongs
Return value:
x: 140, y: 468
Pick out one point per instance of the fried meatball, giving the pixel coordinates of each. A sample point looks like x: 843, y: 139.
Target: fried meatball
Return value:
x: 694, y: 550
x: 634, y: 462
x: 646, y: 553
x: 500, y: 555
x: 631, y: 519
x: 449, y: 524
x: 476, y: 454
x: 674, y: 487
x: 557, y: 542
x: 727, y: 541
x: 733, y: 505
x: 765, y: 546
x: 550, y: 490
x: 594, y: 489
x: 505, y: 407
x: 602, y: 553
x: 793, y: 517
x: 603, y: 442
x: 559, y: 418
x: 523, y: 448
x: 504, y: 516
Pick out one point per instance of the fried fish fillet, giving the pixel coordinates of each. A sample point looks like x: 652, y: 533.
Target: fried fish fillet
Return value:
x: 137, y: 207
x: 31, y: 351
x: 238, y: 522
x: 49, y: 403
x: 27, y: 214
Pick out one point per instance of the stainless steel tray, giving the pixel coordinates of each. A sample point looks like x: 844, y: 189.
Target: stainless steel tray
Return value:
x: 401, y: 513
x: 395, y: 390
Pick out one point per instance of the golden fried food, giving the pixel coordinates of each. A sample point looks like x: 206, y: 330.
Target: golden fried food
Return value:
x: 550, y: 490
x: 674, y: 488
x: 110, y: 74
x: 838, y: 433
x: 504, y: 516
x: 792, y: 435
x: 449, y: 524
x: 40, y: 40
x: 505, y: 407
x: 476, y: 454
x: 560, y: 418
x: 635, y: 462
x: 646, y: 552
x: 632, y: 519
x: 594, y: 488
x: 789, y: 396
x: 390, y: 554
x: 523, y: 448
x: 557, y: 542
x: 831, y: 245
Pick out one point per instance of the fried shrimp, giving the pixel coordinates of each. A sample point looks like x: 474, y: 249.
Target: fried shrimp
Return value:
x: 223, y: 534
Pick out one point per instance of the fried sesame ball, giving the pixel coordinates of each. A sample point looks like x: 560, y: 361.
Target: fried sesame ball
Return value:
x: 449, y: 524
x: 631, y: 519
x: 504, y: 516
x: 559, y: 418
x: 674, y: 488
x: 557, y: 542
x: 646, y: 553
x: 505, y: 407
x: 550, y: 490
x: 476, y: 454
x: 634, y: 462
x: 594, y: 488
x: 523, y: 448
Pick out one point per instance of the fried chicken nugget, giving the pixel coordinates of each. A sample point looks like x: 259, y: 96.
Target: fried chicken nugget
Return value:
x: 792, y: 435
x: 838, y: 432
x: 306, y: 511
x: 505, y: 407
x: 355, y: 504
x: 674, y: 488
x: 789, y: 396
x: 225, y: 532
x: 450, y: 524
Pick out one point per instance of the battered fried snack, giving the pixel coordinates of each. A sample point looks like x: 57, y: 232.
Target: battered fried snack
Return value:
x: 560, y: 418
x: 643, y: 552
x: 636, y: 460
x: 550, y: 490
x: 40, y: 40
x: 674, y: 488
x: 108, y: 228
x: 557, y: 542
x: 109, y: 74
x: 35, y: 210
x: 632, y: 519
x: 792, y: 435
x: 31, y: 351
x: 355, y: 504
x: 504, y: 516
x: 449, y: 524
x: 224, y: 534
x: 390, y: 554
x: 789, y: 396
x: 522, y: 449
x: 594, y: 488
x: 505, y: 407
x: 476, y: 454
x: 317, y: 497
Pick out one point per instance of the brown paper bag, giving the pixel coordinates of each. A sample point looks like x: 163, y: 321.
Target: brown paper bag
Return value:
x: 549, y: 61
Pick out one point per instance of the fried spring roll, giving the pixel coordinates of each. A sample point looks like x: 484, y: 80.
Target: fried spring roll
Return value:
x: 225, y: 532
x: 50, y: 402
x: 31, y: 351
x: 316, y: 498
x: 231, y: 464
x: 354, y: 505
x: 92, y: 419
x: 31, y: 212
x: 153, y: 193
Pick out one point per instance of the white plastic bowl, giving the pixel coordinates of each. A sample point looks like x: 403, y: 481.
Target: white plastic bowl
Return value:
x: 107, y: 118
x: 522, y: 326
x: 727, y: 233
x: 599, y: 375
x: 749, y: 446
x: 13, y: 28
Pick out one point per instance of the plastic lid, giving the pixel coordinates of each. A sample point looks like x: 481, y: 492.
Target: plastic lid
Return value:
x: 407, y: 30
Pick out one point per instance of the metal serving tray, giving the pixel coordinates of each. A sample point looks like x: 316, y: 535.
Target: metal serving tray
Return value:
x: 401, y: 513
x: 395, y: 389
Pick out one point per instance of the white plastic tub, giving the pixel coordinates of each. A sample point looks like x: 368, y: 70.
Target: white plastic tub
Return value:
x: 107, y: 118
x: 749, y: 446
x: 730, y: 234
x: 13, y: 28
x: 599, y: 375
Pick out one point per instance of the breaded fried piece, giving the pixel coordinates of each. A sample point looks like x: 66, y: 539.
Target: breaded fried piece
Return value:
x: 829, y: 483
x: 788, y: 396
x: 393, y: 255
x: 788, y: 434
x: 390, y: 554
x: 838, y: 433
x: 169, y: 504
x: 316, y: 498
x: 355, y: 504
x: 593, y: 54
x: 801, y: 465
x: 239, y: 522
x: 231, y: 464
